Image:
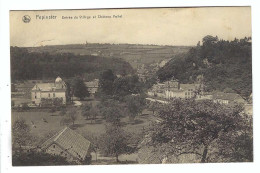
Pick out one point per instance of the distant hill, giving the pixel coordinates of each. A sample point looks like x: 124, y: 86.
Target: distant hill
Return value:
x: 27, y: 65
x: 135, y: 54
x: 225, y: 65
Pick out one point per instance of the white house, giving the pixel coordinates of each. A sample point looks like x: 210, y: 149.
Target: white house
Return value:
x: 58, y: 89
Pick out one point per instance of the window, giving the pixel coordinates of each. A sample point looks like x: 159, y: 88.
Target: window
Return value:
x: 53, y: 94
x: 53, y: 146
x: 35, y: 95
x: 49, y: 95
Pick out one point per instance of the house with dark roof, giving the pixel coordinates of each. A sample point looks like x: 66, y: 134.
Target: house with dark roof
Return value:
x: 41, y: 91
x: 69, y: 144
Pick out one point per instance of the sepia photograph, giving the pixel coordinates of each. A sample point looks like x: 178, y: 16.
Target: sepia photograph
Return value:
x: 131, y: 86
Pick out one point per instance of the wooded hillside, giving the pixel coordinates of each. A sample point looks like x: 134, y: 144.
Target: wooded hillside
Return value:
x: 225, y: 65
x: 43, y: 65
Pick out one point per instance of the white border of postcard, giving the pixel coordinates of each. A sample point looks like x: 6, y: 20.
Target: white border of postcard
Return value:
x: 5, y: 137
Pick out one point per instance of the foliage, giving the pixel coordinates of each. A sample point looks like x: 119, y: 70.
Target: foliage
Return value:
x: 106, y: 80
x: 70, y: 117
x: 118, y: 87
x: 65, y: 121
x: 52, y: 110
x: 25, y: 106
x: 94, y: 112
x: 79, y: 88
x: 199, y: 128
x: 20, y: 134
x: 94, y: 140
x: 135, y: 105
x: 33, y: 158
x: 209, y: 39
x: 126, y: 85
x: 87, y: 160
x: 134, y: 140
x: 237, y: 148
x: 153, y: 106
x: 63, y: 112
x: 90, y: 112
x: 68, y: 90
x: 72, y: 114
x: 112, y: 111
x: 85, y: 110
x: 27, y: 65
x: 225, y: 65
x: 150, y: 82
x: 114, y: 142
x: 51, y: 102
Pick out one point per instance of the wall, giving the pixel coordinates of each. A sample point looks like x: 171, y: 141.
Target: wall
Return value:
x: 56, y: 150
x: 174, y: 94
x: 37, y: 100
x: 40, y: 95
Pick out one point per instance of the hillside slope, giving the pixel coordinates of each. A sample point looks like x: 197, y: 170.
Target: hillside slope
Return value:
x: 43, y: 65
x: 226, y: 66
x: 135, y: 54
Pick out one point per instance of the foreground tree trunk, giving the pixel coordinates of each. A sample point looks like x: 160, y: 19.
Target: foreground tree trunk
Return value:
x: 204, y: 155
x: 117, y: 160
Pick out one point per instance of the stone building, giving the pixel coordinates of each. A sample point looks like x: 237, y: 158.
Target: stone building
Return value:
x: 69, y: 144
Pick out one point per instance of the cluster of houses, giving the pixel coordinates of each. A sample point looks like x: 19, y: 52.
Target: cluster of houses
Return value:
x: 145, y: 72
x: 174, y: 89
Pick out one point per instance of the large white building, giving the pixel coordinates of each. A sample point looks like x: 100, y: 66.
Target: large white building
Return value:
x: 58, y: 89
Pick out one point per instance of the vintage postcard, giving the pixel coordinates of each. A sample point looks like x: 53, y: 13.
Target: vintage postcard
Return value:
x: 131, y: 86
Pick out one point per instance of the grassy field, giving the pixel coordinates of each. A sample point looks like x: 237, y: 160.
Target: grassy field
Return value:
x: 47, y: 124
x: 82, y: 126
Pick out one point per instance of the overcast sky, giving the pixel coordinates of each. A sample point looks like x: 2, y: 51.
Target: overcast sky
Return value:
x: 175, y: 26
